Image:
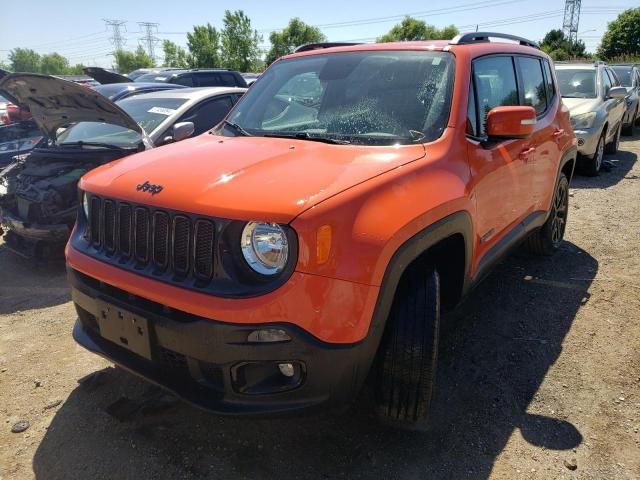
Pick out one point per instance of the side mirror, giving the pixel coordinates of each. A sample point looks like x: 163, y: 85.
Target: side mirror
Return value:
x: 180, y: 131
x: 511, y: 122
x: 617, y: 92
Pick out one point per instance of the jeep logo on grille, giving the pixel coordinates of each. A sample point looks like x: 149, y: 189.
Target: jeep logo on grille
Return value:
x: 149, y: 187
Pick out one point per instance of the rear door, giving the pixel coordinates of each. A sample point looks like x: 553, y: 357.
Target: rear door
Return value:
x: 538, y: 92
x: 500, y: 169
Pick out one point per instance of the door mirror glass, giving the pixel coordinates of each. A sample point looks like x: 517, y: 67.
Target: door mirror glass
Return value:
x: 617, y: 92
x: 511, y: 122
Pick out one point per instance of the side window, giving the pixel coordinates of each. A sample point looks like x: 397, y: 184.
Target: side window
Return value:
x: 228, y: 80
x: 613, y: 77
x: 207, y: 115
x: 472, y: 119
x: 551, y: 90
x: 495, y: 81
x: 186, y: 80
x: 533, y: 88
x: 207, y: 79
x: 606, y: 82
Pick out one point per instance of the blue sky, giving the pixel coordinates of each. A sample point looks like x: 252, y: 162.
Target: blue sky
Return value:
x: 77, y: 30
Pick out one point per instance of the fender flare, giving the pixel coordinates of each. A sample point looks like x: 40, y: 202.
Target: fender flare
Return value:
x: 453, y: 224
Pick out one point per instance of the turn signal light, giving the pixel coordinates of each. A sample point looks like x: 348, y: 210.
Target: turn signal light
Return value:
x: 323, y: 244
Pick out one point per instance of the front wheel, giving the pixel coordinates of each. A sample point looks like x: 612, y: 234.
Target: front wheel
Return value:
x: 547, y: 239
x: 614, y: 145
x: 592, y: 166
x: 406, y: 362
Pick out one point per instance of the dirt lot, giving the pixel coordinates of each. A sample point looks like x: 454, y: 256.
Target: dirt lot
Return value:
x: 539, y: 373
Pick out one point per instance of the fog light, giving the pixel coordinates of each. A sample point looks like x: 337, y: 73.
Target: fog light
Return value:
x: 287, y: 369
x: 268, y: 335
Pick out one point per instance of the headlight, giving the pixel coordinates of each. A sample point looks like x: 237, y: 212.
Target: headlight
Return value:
x: 265, y: 247
x: 85, y: 205
x: 584, y: 120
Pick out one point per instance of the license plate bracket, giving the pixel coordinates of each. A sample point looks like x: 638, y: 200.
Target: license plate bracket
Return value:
x: 124, y: 328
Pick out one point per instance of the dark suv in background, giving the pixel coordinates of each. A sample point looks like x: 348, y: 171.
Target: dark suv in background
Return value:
x: 197, y: 77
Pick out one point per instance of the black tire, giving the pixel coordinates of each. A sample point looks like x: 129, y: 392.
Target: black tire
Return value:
x: 613, y: 145
x: 547, y: 239
x: 627, y: 130
x: 406, y: 361
x: 591, y: 166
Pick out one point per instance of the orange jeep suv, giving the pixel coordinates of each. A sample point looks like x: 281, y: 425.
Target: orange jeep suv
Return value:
x: 310, y: 240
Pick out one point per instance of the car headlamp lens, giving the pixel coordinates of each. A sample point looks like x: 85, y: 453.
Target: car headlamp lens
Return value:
x: 85, y: 205
x: 584, y: 120
x: 265, y: 247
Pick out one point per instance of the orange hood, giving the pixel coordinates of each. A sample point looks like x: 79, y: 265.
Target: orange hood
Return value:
x: 245, y: 178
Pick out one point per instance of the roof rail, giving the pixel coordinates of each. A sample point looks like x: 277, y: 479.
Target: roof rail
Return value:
x: 475, y: 37
x: 317, y: 46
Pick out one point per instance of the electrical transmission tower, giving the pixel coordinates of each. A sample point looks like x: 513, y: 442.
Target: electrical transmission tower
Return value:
x: 149, y: 39
x: 116, y: 38
x: 571, y: 19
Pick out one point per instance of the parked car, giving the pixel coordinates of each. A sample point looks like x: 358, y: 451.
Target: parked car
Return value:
x: 120, y: 91
x: 303, y: 246
x: 197, y: 77
x: 629, y: 76
x: 84, y: 129
x: 143, y: 71
x: 595, y: 99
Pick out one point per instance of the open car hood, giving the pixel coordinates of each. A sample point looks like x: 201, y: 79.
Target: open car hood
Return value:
x: 56, y: 103
x: 105, y: 76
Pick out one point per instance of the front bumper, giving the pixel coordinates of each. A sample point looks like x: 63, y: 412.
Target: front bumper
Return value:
x: 33, y: 240
x: 204, y: 361
x: 588, y: 140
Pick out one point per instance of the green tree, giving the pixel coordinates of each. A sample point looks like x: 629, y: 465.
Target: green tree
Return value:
x: 296, y: 33
x: 204, y: 46
x: 240, y: 50
x: 128, y: 61
x: 54, y: 64
x: 174, y: 55
x: 414, y: 29
x: 76, y: 69
x: 622, y: 37
x: 559, y: 47
x: 24, y: 60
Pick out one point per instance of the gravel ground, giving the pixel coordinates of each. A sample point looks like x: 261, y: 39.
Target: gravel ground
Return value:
x: 539, y: 379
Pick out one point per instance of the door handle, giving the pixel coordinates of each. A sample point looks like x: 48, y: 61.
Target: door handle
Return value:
x: 524, y: 155
x: 558, y: 133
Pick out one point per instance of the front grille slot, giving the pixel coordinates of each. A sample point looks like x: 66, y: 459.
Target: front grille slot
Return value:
x: 95, y: 222
x: 141, y: 245
x: 161, y: 239
x: 181, y: 242
x: 124, y: 226
x: 109, y: 225
x: 203, y: 249
x: 153, y: 241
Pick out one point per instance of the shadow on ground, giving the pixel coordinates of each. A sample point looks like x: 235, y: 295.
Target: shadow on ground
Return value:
x: 496, y: 351
x: 616, y: 167
x: 26, y: 284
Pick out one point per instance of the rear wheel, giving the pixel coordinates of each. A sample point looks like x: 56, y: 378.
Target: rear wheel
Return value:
x: 547, y: 239
x: 612, y: 147
x: 406, y: 362
x: 627, y: 130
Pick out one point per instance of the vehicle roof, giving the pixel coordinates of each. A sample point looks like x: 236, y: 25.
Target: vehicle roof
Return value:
x: 194, y: 94
x: 576, y: 66
x: 474, y: 49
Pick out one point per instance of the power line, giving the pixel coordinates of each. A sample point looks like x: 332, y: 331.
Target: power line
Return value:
x: 117, y: 39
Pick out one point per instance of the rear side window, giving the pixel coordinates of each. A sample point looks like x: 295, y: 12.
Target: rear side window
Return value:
x: 228, y: 80
x: 548, y: 77
x: 208, y: 114
x: 207, y: 79
x: 614, y: 78
x: 495, y: 84
x: 533, y: 86
x: 186, y: 80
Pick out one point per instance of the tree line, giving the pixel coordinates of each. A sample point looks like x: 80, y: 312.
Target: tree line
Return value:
x: 237, y: 45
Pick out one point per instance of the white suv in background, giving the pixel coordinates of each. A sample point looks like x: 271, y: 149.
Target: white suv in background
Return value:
x: 593, y: 94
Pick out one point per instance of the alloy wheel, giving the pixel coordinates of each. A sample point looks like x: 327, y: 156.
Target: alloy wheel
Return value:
x: 560, y: 209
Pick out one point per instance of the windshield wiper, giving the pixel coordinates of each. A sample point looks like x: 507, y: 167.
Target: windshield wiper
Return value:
x: 306, y: 136
x: 237, y: 128
x: 80, y: 143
